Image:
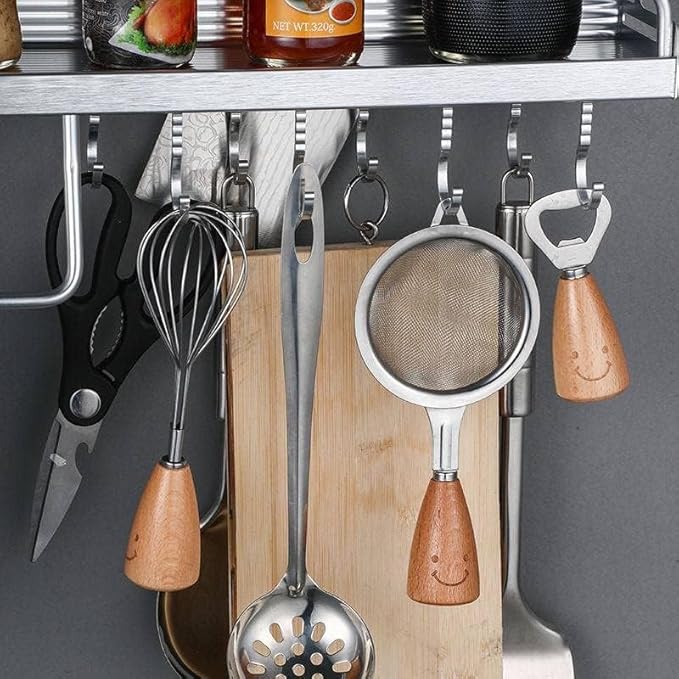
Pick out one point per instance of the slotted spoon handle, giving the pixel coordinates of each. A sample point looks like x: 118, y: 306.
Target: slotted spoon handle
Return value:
x: 301, y: 315
x: 589, y: 360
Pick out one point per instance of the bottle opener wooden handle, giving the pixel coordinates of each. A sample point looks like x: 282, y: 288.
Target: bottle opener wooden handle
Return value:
x: 444, y: 566
x: 163, y: 551
x: 589, y: 361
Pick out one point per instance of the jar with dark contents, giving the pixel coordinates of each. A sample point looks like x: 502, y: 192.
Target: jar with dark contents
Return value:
x: 501, y: 30
x: 303, y: 32
x: 140, y: 33
x: 10, y: 34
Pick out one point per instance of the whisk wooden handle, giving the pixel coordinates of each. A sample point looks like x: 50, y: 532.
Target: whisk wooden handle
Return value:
x: 163, y: 551
x: 444, y: 566
x: 589, y: 361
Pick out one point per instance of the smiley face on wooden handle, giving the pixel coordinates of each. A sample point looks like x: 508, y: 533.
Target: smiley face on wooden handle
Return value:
x: 589, y: 360
x: 163, y: 552
x: 444, y: 567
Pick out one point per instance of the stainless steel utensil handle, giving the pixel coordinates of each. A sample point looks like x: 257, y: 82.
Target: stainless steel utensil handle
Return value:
x: 516, y: 402
x: 301, y: 314
x: 511, y: 447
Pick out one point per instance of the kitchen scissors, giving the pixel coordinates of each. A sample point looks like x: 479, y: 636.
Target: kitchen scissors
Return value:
x: 87, y: 389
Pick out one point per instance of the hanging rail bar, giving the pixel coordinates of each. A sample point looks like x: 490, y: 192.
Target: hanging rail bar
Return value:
x: 74, y: 235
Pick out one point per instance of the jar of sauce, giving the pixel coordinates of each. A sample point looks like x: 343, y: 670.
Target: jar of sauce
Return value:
x: 303, y: 32
x: 10, y: 34
x: 139, y: 33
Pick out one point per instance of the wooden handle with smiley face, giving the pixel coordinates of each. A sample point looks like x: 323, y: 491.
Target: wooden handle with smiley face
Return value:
x: 589, y: 361
x: 163, y: 551
x: 444, y: 566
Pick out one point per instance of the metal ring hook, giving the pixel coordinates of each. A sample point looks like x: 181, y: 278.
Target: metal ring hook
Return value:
x: 179, y: 201
x: 368, y: 229
x: 518, y: 163
x: 367, y: 166
x: 590, y: 197
x: 93, y: 164
x: 451, y: 200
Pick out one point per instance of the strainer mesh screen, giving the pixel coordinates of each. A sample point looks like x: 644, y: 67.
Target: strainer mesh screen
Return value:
x: 446, y: 314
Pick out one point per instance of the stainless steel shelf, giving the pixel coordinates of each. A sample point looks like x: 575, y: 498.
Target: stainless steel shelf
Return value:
x: 60, y: 80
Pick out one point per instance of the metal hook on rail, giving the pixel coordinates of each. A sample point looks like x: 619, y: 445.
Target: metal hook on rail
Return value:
x: 367, y: 166
x: 179, y: 200
x: 306, y: 198
x: 300, y: 137
x: 519, y: 163
x: 237, y: 167
x: 73, y: 230
x: 589, y: 196
x: 94, y: 165
x: 450, y: 200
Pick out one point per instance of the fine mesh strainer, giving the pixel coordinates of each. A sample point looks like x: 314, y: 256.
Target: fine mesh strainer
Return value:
x: 444, y: 318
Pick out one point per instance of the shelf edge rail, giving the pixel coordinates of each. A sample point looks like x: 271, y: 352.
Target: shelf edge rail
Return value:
x: 73, y: 230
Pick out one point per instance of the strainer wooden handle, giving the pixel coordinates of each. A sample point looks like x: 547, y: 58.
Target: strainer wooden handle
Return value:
x: 163, y: 551
x: 589, y: 361
x: 444, y: 567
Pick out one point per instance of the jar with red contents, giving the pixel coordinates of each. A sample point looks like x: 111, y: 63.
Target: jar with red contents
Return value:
x: 303, y: 32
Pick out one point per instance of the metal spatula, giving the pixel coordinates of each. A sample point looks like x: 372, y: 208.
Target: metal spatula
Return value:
x: 531, y: 649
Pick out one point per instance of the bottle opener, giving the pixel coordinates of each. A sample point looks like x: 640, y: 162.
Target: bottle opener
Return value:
x: 589, y: 360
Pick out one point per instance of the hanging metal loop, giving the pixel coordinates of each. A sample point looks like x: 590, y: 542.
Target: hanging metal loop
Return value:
x: 450, y: 199
x: 179, y: 200
x: 368, y: 229
x: 73, y: 230
x: 93, y: 163
x: 512, y: 173
x: 519, y: 163
x: 368, y: 167
x: 589, y: 196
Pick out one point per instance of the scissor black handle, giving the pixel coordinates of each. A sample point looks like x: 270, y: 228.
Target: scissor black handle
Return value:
x: 112, y: 240
x: 79, y: 314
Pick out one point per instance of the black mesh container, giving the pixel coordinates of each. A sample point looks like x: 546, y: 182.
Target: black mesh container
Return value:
x: 499, y: 30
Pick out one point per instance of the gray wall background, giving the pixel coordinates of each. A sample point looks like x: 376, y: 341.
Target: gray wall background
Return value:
x: 600, y: 540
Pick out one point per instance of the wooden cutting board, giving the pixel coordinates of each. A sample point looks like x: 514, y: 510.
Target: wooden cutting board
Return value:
x: 370, y: 467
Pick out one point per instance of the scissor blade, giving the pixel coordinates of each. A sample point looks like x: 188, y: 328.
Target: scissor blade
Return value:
x: 58, y: 479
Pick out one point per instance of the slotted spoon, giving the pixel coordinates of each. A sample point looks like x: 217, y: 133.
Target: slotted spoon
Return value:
x: 298, y: 629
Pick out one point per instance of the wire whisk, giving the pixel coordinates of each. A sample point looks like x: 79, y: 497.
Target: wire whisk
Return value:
x: 192, y: 267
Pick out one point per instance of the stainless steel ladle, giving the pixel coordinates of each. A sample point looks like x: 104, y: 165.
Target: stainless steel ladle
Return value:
x: 298, y: 629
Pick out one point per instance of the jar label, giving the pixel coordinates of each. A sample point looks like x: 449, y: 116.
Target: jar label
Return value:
x: 139, y: 33
x: 313, y: 18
